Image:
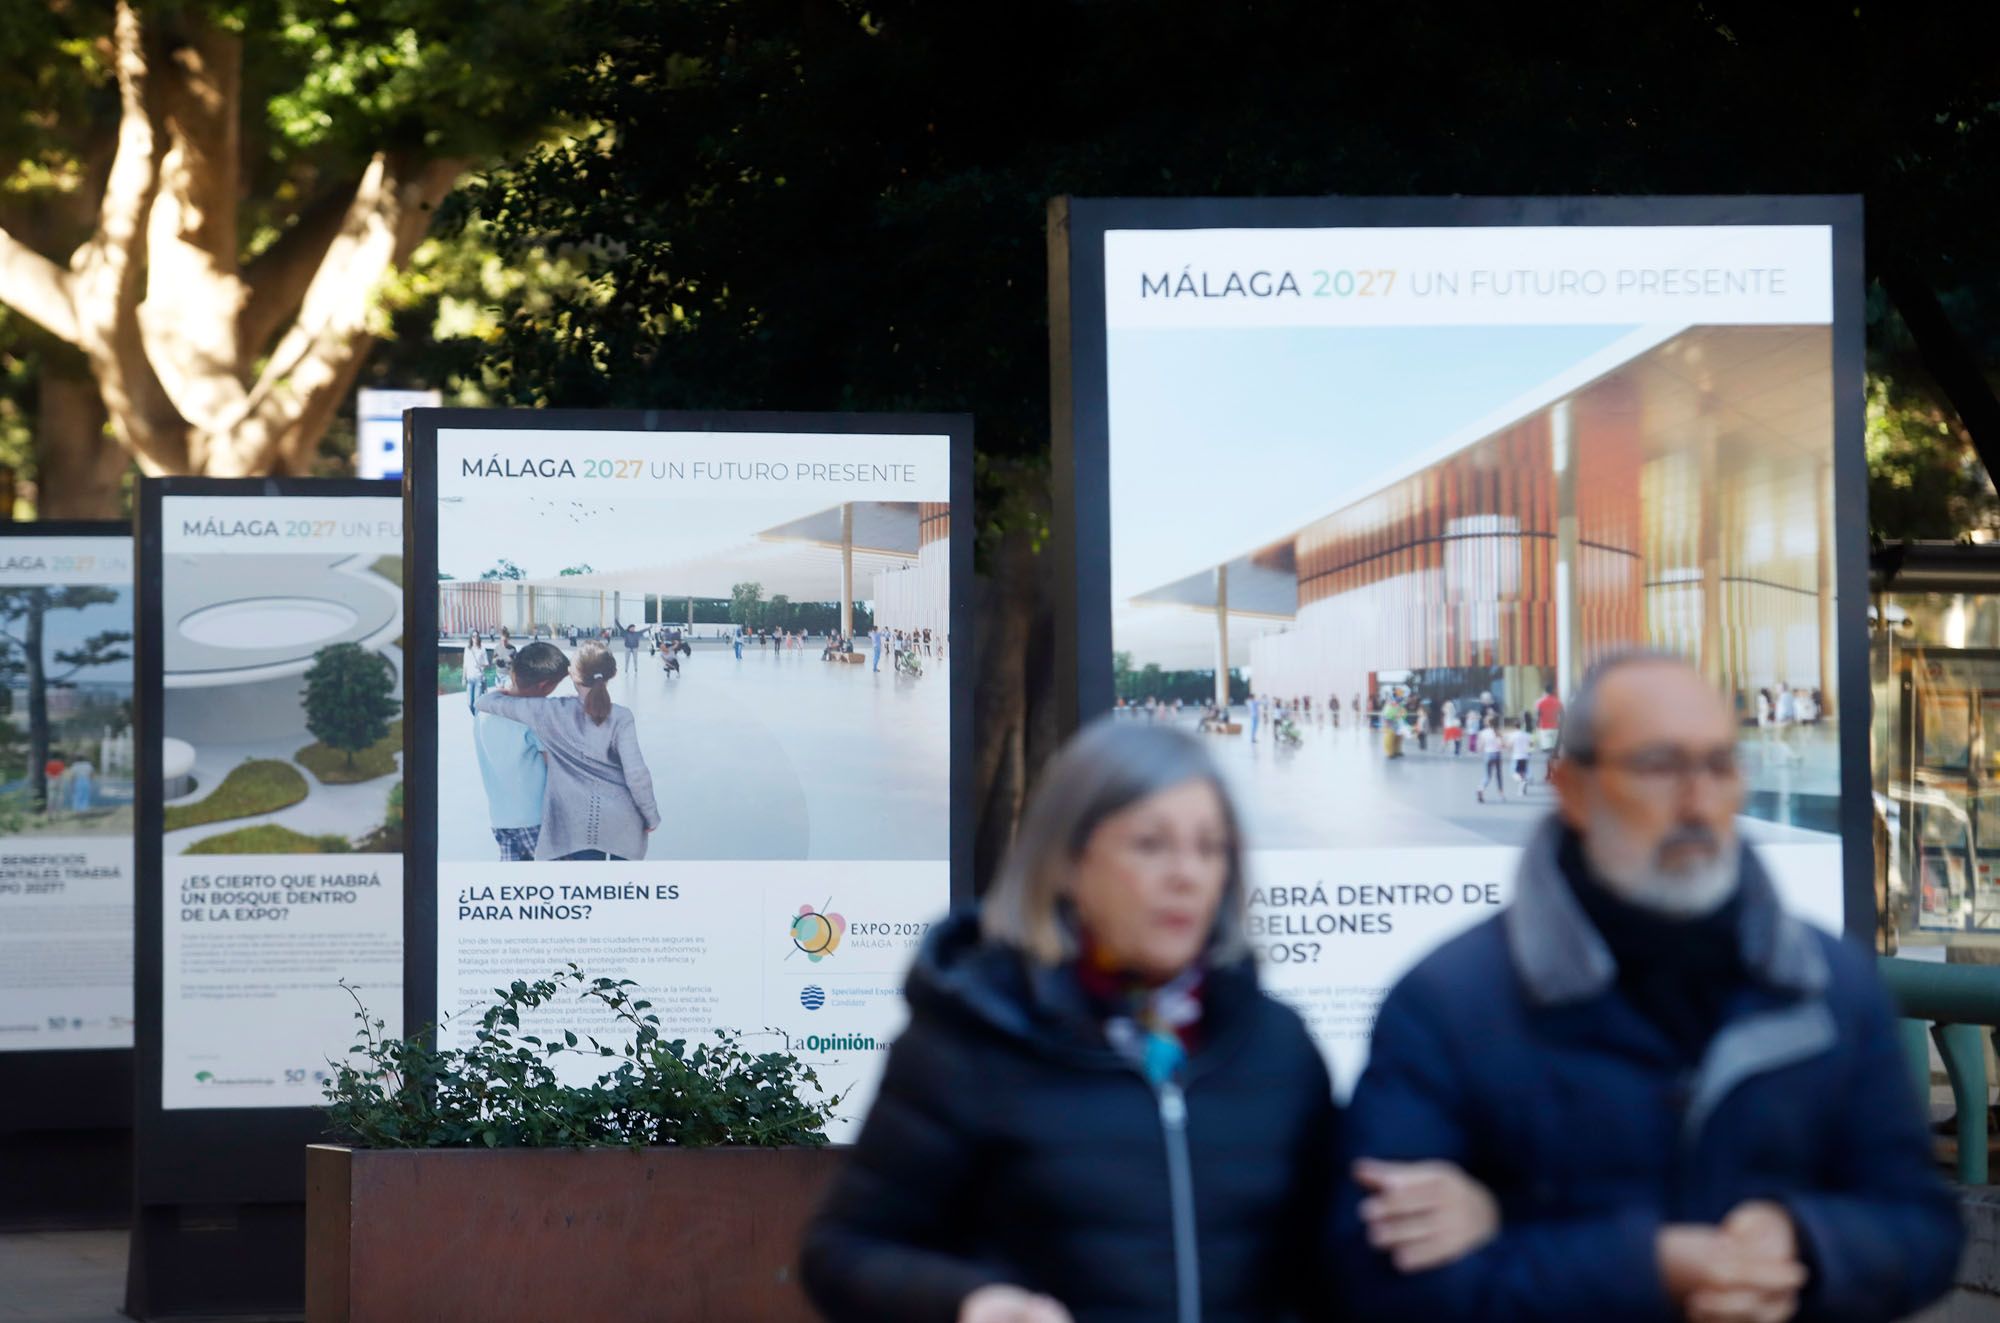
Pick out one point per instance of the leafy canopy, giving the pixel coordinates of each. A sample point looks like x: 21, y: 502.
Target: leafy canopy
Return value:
x: 841, y: 205
x: 503, y: 1091
x: 350, y: 697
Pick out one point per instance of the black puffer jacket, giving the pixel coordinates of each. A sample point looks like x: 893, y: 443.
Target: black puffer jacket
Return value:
x: 1009, y: 1143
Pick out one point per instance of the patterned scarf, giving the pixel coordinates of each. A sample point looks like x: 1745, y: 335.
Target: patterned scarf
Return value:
x: 1152, y: 1025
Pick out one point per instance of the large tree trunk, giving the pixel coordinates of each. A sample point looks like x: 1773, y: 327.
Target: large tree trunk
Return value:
x: 79, y: 468
x: 1014, y: 710
x: 157, y: 301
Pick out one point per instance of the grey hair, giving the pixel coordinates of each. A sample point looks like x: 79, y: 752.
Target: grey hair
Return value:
x: 1108, y: 767
x: 1579, y: 721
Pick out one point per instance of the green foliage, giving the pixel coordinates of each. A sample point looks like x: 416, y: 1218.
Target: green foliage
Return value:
x: 410, y: 71
x: 439, y: 317
x: 270, y: 838
x: 503, y: 1091
x: 1197, y: 687
x: 574, y: 570
x: 746, y: 607
x: 337, y: 767
x: 325, y: 84
x: 24, y: 353
x: 21, y: 613
x: 505, y: 570
x: 746, y: 604
x: 387, y: 838
x: 350, y: 697
x: 842, y: 205
x: 1924, y: 478
x: 253, y: 786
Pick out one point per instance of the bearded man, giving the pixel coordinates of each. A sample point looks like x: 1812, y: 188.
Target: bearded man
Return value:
x: 1686, y: 1103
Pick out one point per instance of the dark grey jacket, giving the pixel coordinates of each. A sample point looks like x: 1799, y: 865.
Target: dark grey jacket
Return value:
x: 1009, y: 1143
x: 1511, y: 1052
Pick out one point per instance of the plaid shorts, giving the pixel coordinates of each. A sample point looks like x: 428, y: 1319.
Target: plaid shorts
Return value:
x: 517, y: 844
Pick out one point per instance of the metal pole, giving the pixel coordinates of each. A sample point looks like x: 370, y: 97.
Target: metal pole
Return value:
x: 847, y: 570
x: 1222, y: 637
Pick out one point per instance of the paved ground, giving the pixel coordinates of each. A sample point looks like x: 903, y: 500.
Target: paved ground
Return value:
x: 1336, y: 789
x: 62, y: 1276
x: 777, y: 756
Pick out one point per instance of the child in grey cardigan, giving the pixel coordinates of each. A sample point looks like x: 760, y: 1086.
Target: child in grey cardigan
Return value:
x: 599, y: 803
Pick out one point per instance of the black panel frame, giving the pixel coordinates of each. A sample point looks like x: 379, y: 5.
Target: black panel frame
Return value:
x: 420, y: 617
x: 211, y: 1186
x: 1081, y: 418
x: 66, y: 1115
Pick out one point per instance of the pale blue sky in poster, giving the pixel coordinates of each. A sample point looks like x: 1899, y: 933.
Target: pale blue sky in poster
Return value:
x: 545, y: 535
x: 1224, y: 440
x: 67, y: 629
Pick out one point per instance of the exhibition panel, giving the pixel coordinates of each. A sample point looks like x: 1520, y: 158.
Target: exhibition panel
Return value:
x: 1362, y: 487
x: 698, y: 717
x: 65, y: 873
x: 270, y: 830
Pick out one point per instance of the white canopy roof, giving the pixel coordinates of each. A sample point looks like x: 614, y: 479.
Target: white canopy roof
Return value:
x: 799, y: 560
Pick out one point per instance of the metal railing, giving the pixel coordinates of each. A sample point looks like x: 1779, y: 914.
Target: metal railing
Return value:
x: 1955, y: 1006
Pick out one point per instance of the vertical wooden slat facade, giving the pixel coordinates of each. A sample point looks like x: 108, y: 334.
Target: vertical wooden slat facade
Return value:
x: 1699, y: 468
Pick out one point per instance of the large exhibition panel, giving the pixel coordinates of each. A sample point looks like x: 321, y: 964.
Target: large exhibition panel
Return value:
x: 65, y: 873
x: 1343, y: 480
x: 768, y: 809
x: 270, y: 832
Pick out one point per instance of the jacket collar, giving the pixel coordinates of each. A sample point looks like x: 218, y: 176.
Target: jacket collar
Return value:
x: 1561, y: 959
x: 959, y: 975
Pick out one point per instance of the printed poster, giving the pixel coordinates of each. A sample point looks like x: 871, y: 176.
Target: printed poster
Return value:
x: 65, y: 793
x: 1379, y: 496
x: 694, y: 701
x: 282, y: 866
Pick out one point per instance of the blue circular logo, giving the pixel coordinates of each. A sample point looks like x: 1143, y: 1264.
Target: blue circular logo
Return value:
x: 812, y: 996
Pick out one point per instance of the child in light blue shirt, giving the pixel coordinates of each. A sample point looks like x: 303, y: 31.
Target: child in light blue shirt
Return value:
x: 512, y: 766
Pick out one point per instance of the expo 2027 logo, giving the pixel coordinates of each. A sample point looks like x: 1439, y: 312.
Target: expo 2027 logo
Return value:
x: 817, y: 932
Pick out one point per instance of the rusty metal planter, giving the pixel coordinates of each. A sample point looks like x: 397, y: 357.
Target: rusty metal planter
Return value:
x: 662, y: 1233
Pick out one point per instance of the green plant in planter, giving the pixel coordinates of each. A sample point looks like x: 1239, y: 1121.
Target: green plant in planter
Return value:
x: 503, y: 1092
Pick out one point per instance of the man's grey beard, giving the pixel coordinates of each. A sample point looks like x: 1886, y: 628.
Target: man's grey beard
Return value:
x: 1690, y: 892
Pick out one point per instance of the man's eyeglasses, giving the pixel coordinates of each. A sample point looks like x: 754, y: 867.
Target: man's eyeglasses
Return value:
x: 1665, y: 763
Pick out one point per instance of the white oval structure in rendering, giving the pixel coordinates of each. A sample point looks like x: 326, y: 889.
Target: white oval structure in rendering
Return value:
x: 257, y: 622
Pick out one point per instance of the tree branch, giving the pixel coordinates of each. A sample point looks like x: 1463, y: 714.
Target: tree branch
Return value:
x: 191, y: 245
x: 107, y: 271
x: 388, y: 217
x: 37, y: 288
x: 278, y: 277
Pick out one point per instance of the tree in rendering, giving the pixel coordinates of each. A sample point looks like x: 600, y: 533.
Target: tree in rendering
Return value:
x: 23, y: 622
x: 746, y: 604
x: 350, y: 697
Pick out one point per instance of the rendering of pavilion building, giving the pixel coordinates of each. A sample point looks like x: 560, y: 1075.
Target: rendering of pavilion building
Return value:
x: 1674, y: 491
x: 896, y: 552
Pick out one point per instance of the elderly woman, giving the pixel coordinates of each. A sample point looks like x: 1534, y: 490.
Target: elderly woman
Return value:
x: 1095, y: 1114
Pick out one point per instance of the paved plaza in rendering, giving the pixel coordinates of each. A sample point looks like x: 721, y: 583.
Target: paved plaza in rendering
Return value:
x: 777, y: 756
x: 1337, y: 789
